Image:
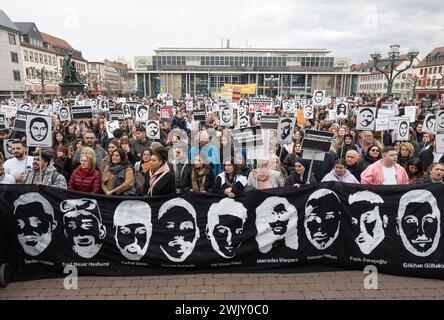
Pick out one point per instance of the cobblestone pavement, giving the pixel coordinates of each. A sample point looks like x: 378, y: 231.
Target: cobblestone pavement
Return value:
x: 255, y: 286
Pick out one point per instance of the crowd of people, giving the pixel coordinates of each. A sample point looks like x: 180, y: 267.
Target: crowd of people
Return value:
x: 200, y: 156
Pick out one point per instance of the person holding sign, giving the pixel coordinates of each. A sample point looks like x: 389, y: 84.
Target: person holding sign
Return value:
x: 4, y: 177
x: 43, y: 172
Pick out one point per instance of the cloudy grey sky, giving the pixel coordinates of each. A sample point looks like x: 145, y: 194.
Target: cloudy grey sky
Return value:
x: 349, y: 28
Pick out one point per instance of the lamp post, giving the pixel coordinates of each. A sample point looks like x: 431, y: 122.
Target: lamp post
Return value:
x: 390, y: 71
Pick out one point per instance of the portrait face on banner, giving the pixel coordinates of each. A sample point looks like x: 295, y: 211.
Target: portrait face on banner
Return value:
x: 308, y: 112
x: 322, y: 218
x: 286, y: 105
x: 276, y: 219
x: 241, y: 110
x: 39, y: 128
x: 35, y: 222
x: 26, y: 107
x: 110, y: 127
x: 226, y: 117
x: 104, y: 105
x: 368, y: 223
x: 133, y: 228
x: 64, y: 114
x: 419, y: 222
x: 341, y: 110
x: 141, y: 113
x: 403, y: 130
x: 318, y: 97
x: 429, y: 124
x: 7, y: 147
x: 83, y: 226
x: 439, y: 124
x: 225, y: 226
x: 244, y: 122
x: 285, y: 130
x: 152, y: 129
x: 366, y: 118
x: 177, y: 220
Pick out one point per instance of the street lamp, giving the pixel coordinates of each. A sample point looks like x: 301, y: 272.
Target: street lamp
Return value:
x: 390, y: 71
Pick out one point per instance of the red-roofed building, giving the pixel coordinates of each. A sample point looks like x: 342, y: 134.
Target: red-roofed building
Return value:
x: 430, y: 72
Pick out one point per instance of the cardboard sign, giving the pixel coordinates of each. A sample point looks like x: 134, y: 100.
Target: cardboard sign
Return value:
x: 403, y: 130
x: 199, y: 115
x: 153, y: 130
x: 7, y: 148
x: 341, y: 110
x: 141, y: 113
x: 269, y: 121
x: 285, y: 130
x: 319, y: 98
x: 243, y: 122
x: 104, y: 105
x: 382, y: 124
x: 10, y: 111
x: 428, y: 125
x: 110, y: 127
x: 166, y: 114
x: 226, y: 117
x: 410, y: 111
x: 263, y: 104
x: 247, y: 138
x: 439, y: 124
x: 39, y: 131
x: 126, y: 110
x: 64, y: 113
x: 116, y: 115
x: 317, y: 140
x: 3, y: 122
x: 366, y: 118
x: 81, y: 112
x: 20, y: 120
x: 308, y: 112
x: 439, y: 138
x: 385, y: 113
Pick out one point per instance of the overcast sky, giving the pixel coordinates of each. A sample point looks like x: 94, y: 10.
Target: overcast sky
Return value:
x: 349, y: 28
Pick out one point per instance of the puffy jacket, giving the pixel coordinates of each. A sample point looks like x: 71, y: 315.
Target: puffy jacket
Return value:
x: 374, y: 174
x: 347, y: 177
x: 90, y: 183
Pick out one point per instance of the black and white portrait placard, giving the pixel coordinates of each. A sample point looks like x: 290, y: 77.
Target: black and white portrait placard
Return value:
x: 439, y: 138
x: 80, y: 103
x: 4, y: 124
x: 64, y: 113
x: 110, y: 127
x: 153, y: 129
x: 25, y: 107
x: 286, y: 104
x: 13, y: 102
x: 242, y: 110
x: 39, y: 131
x: 226, y: 117
x: 126, y: 109
x: 403, y: 130
x: 243, y: 122
x: 285, y: 130
x: 366, y: 118
x: 428, y: 125
x: 342, y: 110
x: 439, y: 123
x: 142, y: 113
x: 308, y: 112
x: 319, y: 98
x: 7, y: 148
x: 104, y: 105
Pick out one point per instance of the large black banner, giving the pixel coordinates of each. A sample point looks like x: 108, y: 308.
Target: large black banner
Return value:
x: 397, y: 229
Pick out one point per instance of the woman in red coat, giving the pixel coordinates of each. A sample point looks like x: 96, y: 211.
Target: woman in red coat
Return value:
x: 85, y: 178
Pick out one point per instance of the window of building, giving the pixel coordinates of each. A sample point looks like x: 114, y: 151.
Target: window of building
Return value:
x: 41, y: 58
x: 440, y: 70
x: 16, y: 75
x: 54, y: 61
x: 435, y: 69
x: 45, y: 58
x: 14, y: 57
x: 25, y: 55
x: 31, y: 56
x: 12, y: 39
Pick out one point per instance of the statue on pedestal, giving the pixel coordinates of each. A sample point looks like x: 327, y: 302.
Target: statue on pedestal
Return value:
x: 69, y: 72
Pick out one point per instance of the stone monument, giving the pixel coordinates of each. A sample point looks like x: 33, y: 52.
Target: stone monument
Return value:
x: 71, y: 80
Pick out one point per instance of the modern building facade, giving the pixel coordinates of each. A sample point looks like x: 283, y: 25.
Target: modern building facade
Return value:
x: 12, y: 82
x: 275, y: 72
